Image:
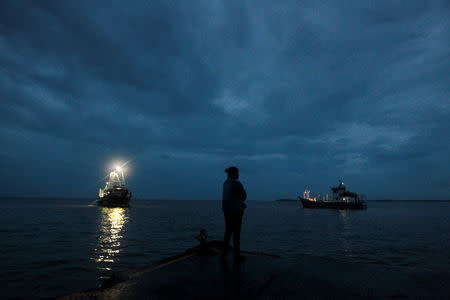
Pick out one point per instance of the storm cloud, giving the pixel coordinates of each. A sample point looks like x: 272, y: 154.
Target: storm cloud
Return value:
x: 295, y: 93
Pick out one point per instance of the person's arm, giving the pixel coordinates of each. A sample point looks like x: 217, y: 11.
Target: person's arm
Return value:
x: 243, y: 193
x: 225, y: 200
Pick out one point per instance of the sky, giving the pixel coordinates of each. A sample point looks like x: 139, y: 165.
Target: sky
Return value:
x: 296, y: 94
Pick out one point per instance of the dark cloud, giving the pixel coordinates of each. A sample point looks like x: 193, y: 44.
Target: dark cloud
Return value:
x: 297, y: 94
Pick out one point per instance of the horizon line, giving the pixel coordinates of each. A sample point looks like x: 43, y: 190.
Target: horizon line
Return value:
x: 172, y: 199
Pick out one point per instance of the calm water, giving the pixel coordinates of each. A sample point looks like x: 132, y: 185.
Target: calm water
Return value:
x: 54, y: 247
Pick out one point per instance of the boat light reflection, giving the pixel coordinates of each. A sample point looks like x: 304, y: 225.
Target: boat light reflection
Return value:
x: 346, y: 233
x: 111, y: 228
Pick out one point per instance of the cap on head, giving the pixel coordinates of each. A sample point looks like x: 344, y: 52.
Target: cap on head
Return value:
x: 232, y: 171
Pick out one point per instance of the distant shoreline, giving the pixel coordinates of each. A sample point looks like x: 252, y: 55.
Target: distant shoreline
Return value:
x: 287, y: 200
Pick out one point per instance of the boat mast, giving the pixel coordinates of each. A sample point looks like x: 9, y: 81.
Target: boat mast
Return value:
x: 123, y: 177
x: 116, y: 178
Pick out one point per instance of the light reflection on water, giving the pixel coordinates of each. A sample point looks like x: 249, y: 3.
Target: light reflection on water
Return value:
x: 346, y: 231
x: 111, y: 228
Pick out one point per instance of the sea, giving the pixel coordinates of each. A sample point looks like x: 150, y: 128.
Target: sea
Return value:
x: 53, y: 247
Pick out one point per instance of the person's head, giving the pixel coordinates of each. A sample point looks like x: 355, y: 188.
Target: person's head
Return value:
x: 232, y: 172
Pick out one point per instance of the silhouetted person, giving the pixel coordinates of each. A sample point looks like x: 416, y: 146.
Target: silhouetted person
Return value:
x: 233, y: 205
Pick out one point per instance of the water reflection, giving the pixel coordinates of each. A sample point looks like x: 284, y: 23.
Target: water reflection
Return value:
x: 346, y: 232
x: 343, y: 215
x: 111, y: 228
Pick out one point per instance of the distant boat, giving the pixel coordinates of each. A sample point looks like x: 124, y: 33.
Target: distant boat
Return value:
x: 341, y: 199
x: 115, y: 193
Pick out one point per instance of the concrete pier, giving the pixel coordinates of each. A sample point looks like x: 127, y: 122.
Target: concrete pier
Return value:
x: 206, y: 272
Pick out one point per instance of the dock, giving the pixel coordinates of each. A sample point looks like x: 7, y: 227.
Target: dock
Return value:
x: 207, y: 271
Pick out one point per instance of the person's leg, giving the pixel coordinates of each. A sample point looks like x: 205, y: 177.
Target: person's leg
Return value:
x: 237, y: 224
x: 228, y: 228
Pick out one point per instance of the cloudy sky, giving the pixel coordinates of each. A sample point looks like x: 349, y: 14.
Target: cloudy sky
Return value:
x: 295, y: 93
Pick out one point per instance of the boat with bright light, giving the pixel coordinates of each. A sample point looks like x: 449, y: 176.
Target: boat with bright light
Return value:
x: 341, y: 199
x: 115, y: 193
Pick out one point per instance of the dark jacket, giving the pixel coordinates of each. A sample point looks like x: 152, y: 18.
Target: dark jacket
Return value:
x: 233, y: 196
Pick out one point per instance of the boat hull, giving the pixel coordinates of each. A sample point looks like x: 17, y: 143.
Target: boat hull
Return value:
x: 333, y: 204
x: 115, y: 199
x: 113, y: 202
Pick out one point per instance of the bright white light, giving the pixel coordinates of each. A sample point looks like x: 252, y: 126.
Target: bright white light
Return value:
x: 119, y: 168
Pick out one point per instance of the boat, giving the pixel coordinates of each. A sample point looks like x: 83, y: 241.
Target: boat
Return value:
x: 341, y: 199
x: 115, y: 193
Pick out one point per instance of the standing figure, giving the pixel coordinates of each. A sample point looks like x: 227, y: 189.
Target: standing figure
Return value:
x: 233, y: 205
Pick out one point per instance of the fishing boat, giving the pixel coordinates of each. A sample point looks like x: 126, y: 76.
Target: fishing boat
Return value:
x: 115, y: 193
x: 341, y: 199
